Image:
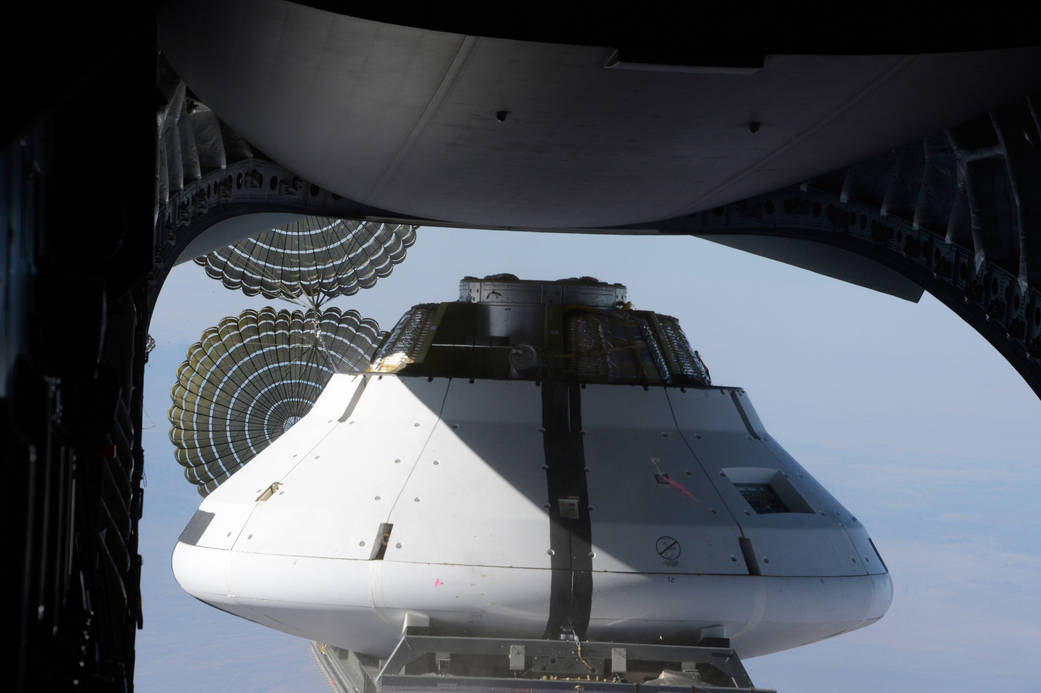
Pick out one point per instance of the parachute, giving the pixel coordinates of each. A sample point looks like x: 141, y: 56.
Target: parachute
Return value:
x: 315, y: 256
x: 248, y: 379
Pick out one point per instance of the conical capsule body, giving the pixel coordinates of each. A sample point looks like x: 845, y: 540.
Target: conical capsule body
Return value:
x: 527, y: 465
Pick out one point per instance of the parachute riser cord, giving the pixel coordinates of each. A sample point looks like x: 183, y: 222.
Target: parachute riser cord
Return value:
x: 319, y: 345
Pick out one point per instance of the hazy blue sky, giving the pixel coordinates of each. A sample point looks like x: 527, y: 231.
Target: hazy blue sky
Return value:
x: 901, y: 410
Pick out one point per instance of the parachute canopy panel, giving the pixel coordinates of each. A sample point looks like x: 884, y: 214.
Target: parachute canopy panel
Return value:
x: 251, y: 377
x: 315, y: 256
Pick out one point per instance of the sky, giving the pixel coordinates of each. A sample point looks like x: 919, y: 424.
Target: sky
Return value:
x: 901, y: 410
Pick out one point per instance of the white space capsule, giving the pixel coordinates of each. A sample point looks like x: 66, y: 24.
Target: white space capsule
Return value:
x: 534, y: 461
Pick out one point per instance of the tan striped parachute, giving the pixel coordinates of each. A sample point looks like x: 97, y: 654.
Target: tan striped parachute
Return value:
x: 313, y: 256
x: 248, y: 379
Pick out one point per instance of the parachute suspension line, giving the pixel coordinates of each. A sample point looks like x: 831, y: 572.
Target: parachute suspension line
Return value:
x: 319, y: 344
x: 324, y: 349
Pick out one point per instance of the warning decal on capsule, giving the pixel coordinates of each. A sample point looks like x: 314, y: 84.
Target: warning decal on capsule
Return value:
x: 668, y: 548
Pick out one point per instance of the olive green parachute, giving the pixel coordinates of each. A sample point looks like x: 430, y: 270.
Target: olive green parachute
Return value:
x: 248, y: 379
x: 314, y: 256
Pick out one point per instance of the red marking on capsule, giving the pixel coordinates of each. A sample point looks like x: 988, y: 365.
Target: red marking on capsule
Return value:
x: 678, y: 486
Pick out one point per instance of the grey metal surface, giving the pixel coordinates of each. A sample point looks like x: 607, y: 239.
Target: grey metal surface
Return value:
x: 195, y: 527
x: 828, y: 260
x: 408, y: 119
x: 956, y: 213
x: 344, y: 671
x: 409, y: 339
x: 508, y: 290
x: 567, y: 664
x: 428, y: 659
x: 505, y: 327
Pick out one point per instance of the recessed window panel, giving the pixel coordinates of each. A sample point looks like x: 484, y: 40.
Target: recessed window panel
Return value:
x: 762, y: 498
x: 768, y: 491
